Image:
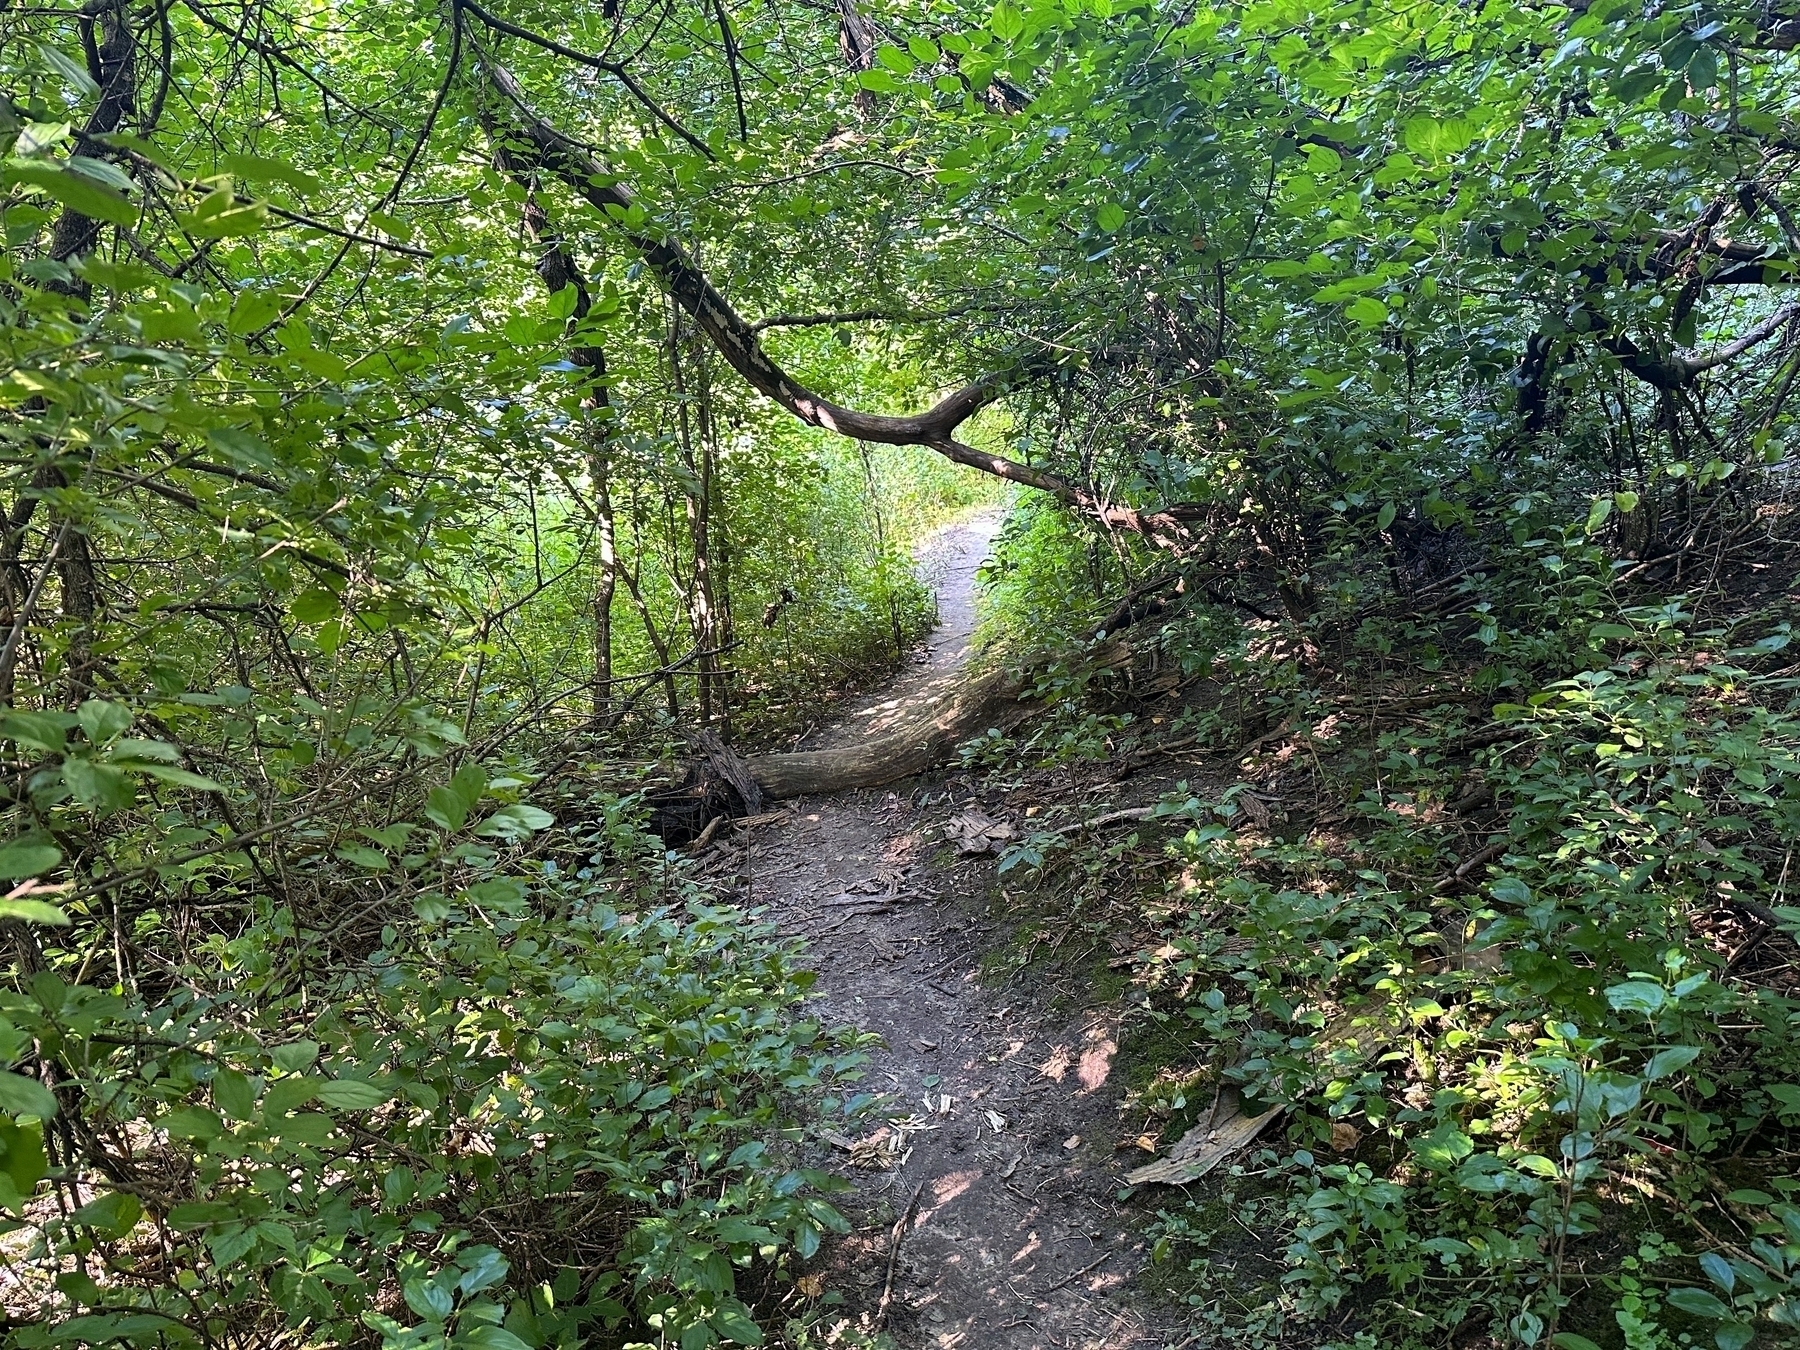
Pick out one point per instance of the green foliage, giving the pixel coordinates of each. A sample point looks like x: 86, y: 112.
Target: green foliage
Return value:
x: 524, y: 1058
x: 1519, y: 1055
x: 359, y: 482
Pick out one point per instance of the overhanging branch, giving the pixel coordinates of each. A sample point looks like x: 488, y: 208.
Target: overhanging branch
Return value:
x: 737, y: 341
x: 734, y: 337
x: 1679, y: 369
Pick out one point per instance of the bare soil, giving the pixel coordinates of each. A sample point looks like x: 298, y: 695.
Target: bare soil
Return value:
x: 1003, y: 1153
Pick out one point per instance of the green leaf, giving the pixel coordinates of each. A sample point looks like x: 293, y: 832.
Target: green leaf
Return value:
x: 562, y: 303
x: 234, y: 1094
x: 428, y: 1299
x: 200, y: 1213
x: 1718, y: 1270
x: 361, y: 855
x: 1110, y: 216
x: 103, y: 721
x: 1443, y: 1148
x: 1367, y: 311
x: 22, y: 1147
x: 259, y: 169
x: 104, y: 1328
x: 352, y: 1094
x: 1598, y: 512
x: 1006, y: 23
x: 38, y: 731
x: 431, y: 907
x: 1698, y: 1303
x: 77, y: 191
x: 33, y: 911
x: 1673, y: 1060
x: 296, y: 1056
x: 487, y: 1337
x: 315, y: 606
x: 222, y: 215
x: 734, y: 1323
x: 736, y: 1230
x: 896, y: 60
x: 1637, y: 996
x: 287, y: 1094
x: 1386, y: 516
x: 193, y: 1122
x: 24, y: 1096
x: 1568, y: 1340
x: 449, y: 806
x: 483, y: 1268
x: 23, y: 859
x: 112, y: 1215
x: 170, y: 773
x: 104, y: 172
x: 253, y: 310
x: 515, y: 822
x: 1432, y: 139
x: 73, y: 73
x: 1343, y: 290
x: 103, y: 788
x: 444, y: 809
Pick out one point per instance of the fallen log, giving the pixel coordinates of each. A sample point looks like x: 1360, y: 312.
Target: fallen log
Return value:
x: 719, y: 782
x: 919, y: 744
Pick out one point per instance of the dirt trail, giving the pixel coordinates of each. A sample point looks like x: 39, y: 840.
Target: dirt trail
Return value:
x: 1006, y: 1156
x: 947, y: 561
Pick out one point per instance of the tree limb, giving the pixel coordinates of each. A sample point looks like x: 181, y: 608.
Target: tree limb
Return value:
x: 857, y: 316
x: 736, y: 341
x: 1679, y: 369
x: 613, y: 68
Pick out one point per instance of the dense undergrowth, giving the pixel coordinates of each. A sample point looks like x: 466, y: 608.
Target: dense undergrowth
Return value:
x: 543, y: 1094
x: 1505, y: 930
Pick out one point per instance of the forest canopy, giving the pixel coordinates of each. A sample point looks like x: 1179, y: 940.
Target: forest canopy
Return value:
x: 429, y: 428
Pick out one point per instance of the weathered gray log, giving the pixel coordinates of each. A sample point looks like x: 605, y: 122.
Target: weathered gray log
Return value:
x: 685, y: 798
x: 915, y: 747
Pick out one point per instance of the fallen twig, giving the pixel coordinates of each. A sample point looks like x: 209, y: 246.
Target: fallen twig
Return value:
x: 767, y: 818
x: 706, y: 836
x: 900, y: 1226
x: 1470, y: 863
x: 1070, y: 1279
x: 1110, y: 818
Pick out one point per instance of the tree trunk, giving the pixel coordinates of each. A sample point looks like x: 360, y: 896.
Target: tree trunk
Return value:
x: 693, y: 423
x: 606, y: 583
x: 557, y: 267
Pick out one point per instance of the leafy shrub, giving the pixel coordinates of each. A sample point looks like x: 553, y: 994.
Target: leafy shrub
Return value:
x: 547, y: 1106
x: 1522, y: 1062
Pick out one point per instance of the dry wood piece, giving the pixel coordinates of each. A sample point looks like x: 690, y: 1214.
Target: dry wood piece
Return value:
x: 1203, y: 1148
x: 1088, y: 1269
x: 766, y: 818
x: 900, y: 1226
x: 1214, y: 1139
x: 990, y: 700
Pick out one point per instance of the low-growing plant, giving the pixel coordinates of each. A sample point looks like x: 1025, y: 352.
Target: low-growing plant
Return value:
x: 1510, y: 1076
x: 544, y: 1106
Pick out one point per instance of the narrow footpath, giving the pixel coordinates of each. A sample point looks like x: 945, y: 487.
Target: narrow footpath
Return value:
x: 996, y: 1178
